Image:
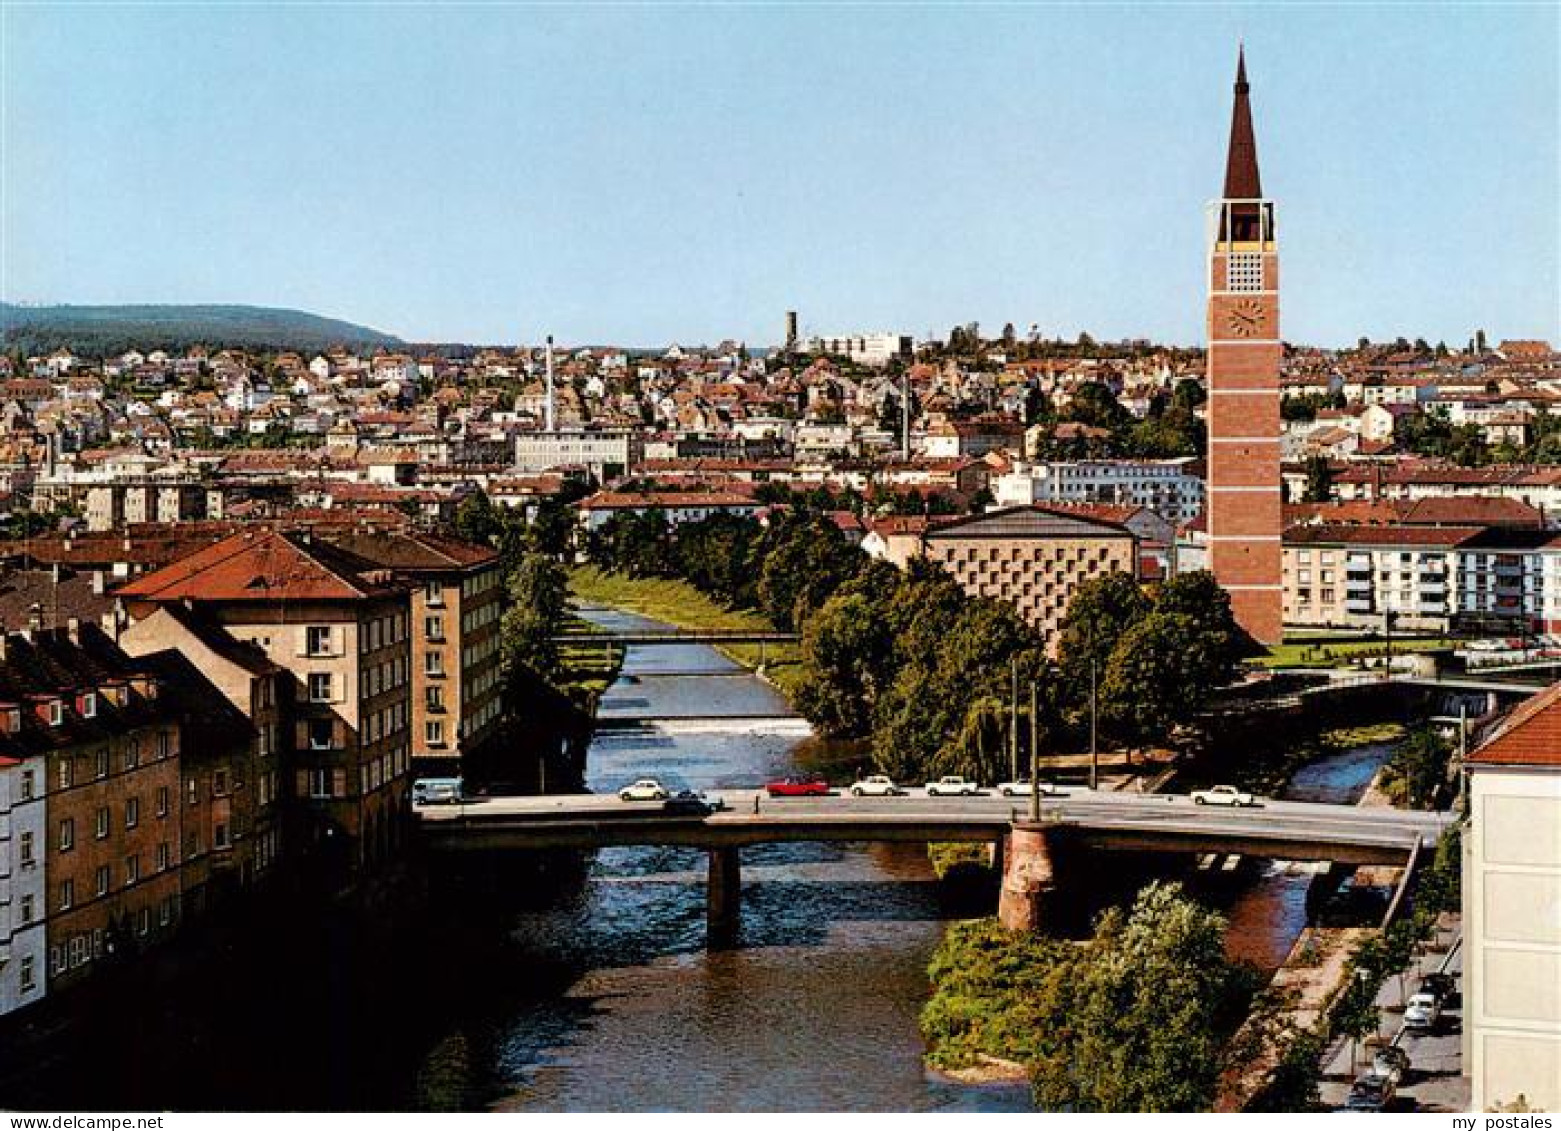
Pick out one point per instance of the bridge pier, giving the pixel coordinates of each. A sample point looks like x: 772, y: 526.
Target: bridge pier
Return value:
x: 1029, y: 869
x: 723, y: 897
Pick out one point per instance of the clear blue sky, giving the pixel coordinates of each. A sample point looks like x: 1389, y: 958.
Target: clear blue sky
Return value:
x: 642, y: 175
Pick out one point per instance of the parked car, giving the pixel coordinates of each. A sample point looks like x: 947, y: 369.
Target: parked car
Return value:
x: 1370, y: 1093
x: 952, y: 785
x: 1223, y: 795
x: 1392, y: 1063
x: 1021, y: 788
x: 797, y: 787
x: 1444, y: 986
x: 1422, y: 1013
x: 692, y: 802
x: 437, y: 791
x: 876, y: 785
x: 646, y: 789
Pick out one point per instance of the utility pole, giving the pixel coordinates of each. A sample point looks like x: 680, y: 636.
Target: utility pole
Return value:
x: 1463, y: 759
x: 1035, y: 752
x: 1013, y: 720
x: 1094, y: 748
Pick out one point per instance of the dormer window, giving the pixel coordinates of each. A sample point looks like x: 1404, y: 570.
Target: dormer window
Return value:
x: 10, y: 718
x: 87, y: 704
x: 56, y: 712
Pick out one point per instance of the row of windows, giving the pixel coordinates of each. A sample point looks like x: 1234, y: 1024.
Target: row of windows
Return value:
x: 376, y: 679
x: 480, y: 616
x: 481, y: 583
x: 382, y: 632
x: 102, y: 761
x: 385, y: 722
x: 82, y: 948
x: 482, y: 716
x: 476, y: 653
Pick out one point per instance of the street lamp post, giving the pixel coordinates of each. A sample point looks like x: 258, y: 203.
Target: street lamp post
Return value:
x: 1035, y: 753
x: 1094, y: 748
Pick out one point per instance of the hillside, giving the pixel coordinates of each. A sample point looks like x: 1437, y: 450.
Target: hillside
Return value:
x: 98, y: 331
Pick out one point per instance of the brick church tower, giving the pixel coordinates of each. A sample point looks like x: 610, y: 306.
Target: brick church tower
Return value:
x: 1243, y: 370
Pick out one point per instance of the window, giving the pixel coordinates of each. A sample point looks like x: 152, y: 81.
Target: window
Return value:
x: 320, y: 734
x: 56, y: 712
x: 192, y: 845
x: 319, y: 687
x: 192, y: 791
x: 162, y: 745
x: 317, y: 640
x: 162, y: 801
x: 433, y: 663
x: 434, y: 732
x: 132, y: 812
x: 100, y: 829
x: 27, y: 909
x: 102, y: 763
x: 133, y: 754
x: 89, y: 705
x: 164, y: 856
x: 132, y: 870
x: 28, y: 975
x: 219, y: 836
x: 67, y: 772
x: 67, y: 894
x: 144, y: 921
x: 165, y: 912
x: 26, y: 848
x: 219, y: 782
x: 319, y: 783
x: 434, y: 593
x: 434, y: 698
x: 67, y: 834
x: 105, y: 879
x: 27, y: 785
x: 433, y: 627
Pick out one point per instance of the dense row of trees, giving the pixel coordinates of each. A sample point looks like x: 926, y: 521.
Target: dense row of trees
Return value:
x: 1169, y: 429
x: 1136, y: 1019
x: 926, y: 672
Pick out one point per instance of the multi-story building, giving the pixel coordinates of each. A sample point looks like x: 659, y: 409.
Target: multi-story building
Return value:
x: 1245, y: 349
x: 1171, y: 488
x: 605, y: 453
x: 457, y: 595
x: 864, y: 349
x: 1376, y: 578
x: 1031, y: 557
x: 23, y: 879
x: 1509, y: 581
x: 342, y: 627
x: 1512, y: 911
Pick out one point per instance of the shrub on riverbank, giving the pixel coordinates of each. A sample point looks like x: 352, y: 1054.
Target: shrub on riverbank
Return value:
x: 1132, y: 1020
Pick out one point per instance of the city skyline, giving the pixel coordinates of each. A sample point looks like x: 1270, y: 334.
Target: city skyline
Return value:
x: 598, y: 193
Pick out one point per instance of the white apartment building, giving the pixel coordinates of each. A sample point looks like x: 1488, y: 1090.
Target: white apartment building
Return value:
x: 23, y: 852
x: 1168, y: 487
x: 1512, y: 911
x: 864, y: 349
x: 602, y: 452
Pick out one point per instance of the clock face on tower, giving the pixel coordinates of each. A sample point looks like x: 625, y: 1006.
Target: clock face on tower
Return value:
x: 1245, y: 319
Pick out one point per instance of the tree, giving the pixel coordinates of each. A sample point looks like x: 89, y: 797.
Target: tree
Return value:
x: 811, y: 560
x: 1101, y: 610
x: 1154, y: 677
x: 476, y: 520
x: 1319, y: 480
x: 846, y: 661
x: 1153, y: 1001
x: 1417, y: 770
x: 539, y: 597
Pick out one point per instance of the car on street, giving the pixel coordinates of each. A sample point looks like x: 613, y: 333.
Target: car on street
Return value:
x: 876, y: 785
x: 1422, y: 1012
x: 1223, y: 795
x: 1370, y: 1093
x: 1021, y: 788
x: 797, y: 786
x: 1391, y: 1062
x: 437, y: 791
x: 692, y: 802
x: 952, y: 785
x: 646, y: 789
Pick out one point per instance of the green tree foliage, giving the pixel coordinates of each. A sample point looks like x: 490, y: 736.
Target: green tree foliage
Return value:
x: 1134, y: 1020
x: 810, y: 561
x: 1416, y: 773
x: 1101, y: 610
x: 846, y: 661
x: 539, y: 596
x: 478, y: 520
x: 1319, y: 480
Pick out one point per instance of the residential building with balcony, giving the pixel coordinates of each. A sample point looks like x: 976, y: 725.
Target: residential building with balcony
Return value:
x: 1372, y: 577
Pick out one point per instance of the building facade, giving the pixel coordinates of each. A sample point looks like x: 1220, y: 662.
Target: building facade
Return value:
x: 1245, y: 348
x: 1171, y: 488
x: 1512, y: 911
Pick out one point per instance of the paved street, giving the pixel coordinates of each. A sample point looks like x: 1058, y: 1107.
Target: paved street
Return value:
x: 1435, y: 1082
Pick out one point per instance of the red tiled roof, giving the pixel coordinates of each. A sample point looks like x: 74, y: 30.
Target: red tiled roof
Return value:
x: 261, y: 566
x: 1531, y: 735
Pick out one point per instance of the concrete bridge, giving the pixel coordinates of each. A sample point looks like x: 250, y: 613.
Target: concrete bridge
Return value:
x: 1034, y: 854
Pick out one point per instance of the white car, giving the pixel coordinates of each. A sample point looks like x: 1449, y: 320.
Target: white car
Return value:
x: 1021, y: 788
x: 1223, y: 795
x: 876, y: 785
x: 646, y: 789
x: 1422, y: 1012
x: 952, y: 785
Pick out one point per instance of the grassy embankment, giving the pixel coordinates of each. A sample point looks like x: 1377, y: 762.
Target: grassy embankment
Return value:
x: 1324, y: 653
x: 679, y: 603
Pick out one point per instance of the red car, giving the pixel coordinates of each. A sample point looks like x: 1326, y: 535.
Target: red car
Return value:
x: 797, y: 787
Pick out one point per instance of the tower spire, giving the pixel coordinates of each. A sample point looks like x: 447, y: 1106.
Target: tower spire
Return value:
x: 1241, y: 176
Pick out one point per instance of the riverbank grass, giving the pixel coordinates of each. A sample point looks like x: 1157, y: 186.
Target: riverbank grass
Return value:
x: 1302, y: 653
x: 679, y: 603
